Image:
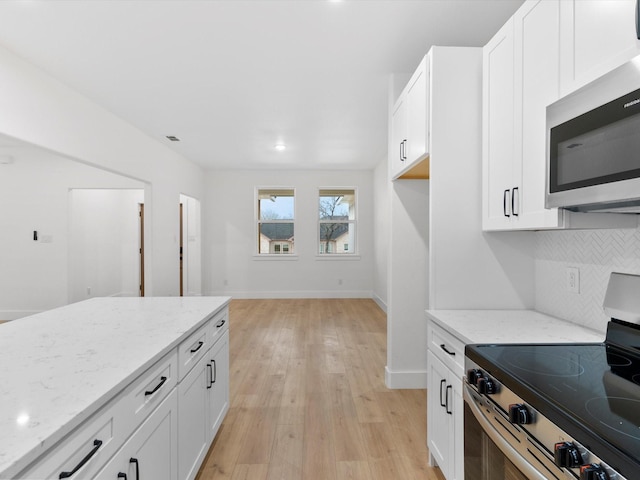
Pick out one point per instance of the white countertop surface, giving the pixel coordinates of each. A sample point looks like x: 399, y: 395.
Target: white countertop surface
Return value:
x: 59, y: 367
x: 511, y: 326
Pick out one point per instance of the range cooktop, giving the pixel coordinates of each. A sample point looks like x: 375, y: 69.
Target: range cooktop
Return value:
x: 591, y: 391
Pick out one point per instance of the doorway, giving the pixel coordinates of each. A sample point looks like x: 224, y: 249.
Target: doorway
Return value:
x: 190, y: 247
x: 105, y: 254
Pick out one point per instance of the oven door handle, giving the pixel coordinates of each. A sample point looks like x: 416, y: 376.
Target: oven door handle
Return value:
x: 511, y: 453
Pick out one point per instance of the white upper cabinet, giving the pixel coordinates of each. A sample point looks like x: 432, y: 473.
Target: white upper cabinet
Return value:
x: 410, y: 127
x: 498, y: 129
x: 521, y: 77
x: 546, y: 50
x: 597, y: 36
x: 537, y: 58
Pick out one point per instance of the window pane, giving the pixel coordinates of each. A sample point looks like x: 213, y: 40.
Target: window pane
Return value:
x: 337, y: 204
x: 275, y: 204
x: 336, y: 237
x: 276, y: 238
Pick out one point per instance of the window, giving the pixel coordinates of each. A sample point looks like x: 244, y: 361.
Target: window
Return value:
x: 336, y: 220
x: 275, y: 220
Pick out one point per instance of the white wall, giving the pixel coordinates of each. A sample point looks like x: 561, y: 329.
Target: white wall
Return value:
x: 103, y: 243
x: 596, y: 253
x: 229, y: 253
x: 381, y: 219
x: 34, y: 195
x: 39, y: 110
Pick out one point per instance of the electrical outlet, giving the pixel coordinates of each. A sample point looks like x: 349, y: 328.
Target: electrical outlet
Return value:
x: 573, y: 280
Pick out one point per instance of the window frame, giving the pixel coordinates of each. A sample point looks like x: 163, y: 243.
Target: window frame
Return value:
x: 337, y: 252
x: 258, y: 221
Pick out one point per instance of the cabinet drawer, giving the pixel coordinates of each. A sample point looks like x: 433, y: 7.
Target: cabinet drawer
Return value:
x: 84, y: 450
x: 193, y: 348
x: 218, y: 325
x: 447, y: 348
x: 142, y: 396
x: 90, y: 446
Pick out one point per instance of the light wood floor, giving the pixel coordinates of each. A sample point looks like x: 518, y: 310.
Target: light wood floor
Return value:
x: 308, y: 400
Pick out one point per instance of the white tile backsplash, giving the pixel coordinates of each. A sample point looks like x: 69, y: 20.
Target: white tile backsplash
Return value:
x: 596, y: 253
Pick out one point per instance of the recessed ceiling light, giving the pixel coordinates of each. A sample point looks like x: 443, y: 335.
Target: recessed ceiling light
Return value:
x: 280, y: 147
x: 173, y: 138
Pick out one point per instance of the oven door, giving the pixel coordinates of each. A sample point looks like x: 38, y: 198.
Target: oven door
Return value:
x: 491, y: 444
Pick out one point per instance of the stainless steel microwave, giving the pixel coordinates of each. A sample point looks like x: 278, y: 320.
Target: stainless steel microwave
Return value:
x: 593, y: 145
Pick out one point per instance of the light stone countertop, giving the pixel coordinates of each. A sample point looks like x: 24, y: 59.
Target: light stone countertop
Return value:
x: 59, y: 367
x: 511, y: 326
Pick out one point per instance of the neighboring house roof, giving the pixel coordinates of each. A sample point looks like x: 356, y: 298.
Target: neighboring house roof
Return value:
x: 332, y: 231
x: 277, y: 231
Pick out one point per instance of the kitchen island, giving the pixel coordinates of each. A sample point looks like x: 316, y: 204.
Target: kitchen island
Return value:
x: 106, y: 357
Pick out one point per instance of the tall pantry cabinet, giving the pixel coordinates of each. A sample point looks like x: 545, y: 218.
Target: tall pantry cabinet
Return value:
x: 438, y: 254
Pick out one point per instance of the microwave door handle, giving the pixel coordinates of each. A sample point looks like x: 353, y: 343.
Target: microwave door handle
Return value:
x: 515, y: 211
x: 511, y: 453
x: 505, y: 203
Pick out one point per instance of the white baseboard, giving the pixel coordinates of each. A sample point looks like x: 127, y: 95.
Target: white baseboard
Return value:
x: 16, y: 314
x: 294, y: 294
x: 408, y: 379
x: 378, y: 300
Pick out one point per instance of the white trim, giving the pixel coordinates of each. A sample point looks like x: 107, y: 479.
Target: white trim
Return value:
x: 293, y: 294
x: 408, y: 379
x: 378, y: 300
x: 275, y: 256
x: 337, y: 256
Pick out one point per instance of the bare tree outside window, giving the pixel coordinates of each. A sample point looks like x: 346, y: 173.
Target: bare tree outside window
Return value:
x: 336, y: 221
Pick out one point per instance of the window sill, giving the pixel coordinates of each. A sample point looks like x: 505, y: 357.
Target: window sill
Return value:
x: 275, y: 256
x: 338, y: 256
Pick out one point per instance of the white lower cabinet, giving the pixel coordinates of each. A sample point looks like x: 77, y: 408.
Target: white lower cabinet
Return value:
x: 445, y: 407
x: 203, y: 400
x: 219, y: 392
x: 445, y: 418
x: 193, y: 431
x: 152, y: 451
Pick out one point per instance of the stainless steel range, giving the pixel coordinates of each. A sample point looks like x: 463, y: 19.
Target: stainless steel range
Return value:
x: 558, y: 411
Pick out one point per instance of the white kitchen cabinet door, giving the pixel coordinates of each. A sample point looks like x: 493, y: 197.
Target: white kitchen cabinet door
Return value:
x: 445, y: 418
x: 410, y: 126
x: 597, y: 36
x: 398, y: 137
x: 152, y: 451
x: 536, y: 74
x: 418, y: 113
x: 219, y: 392
x: 193, y: 430
x: 498, y: 129
x: 521, y: 77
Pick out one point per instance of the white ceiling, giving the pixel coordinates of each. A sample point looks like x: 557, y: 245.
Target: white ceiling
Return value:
x: 232, y: 78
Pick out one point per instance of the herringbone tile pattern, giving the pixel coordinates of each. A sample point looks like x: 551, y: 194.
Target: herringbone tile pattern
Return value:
x: 596, y: 253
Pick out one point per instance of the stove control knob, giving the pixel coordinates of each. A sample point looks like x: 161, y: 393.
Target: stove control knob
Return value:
x: 567, y: 455
x: 519, y: 414
x: 593, y: 471
x: 486, y: 386
x: 473, y: 375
